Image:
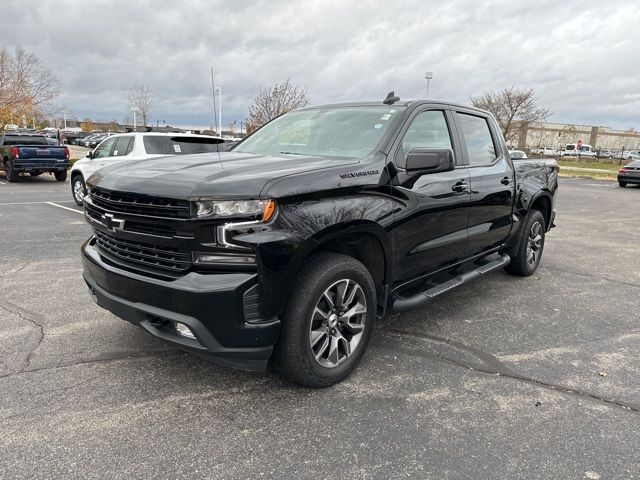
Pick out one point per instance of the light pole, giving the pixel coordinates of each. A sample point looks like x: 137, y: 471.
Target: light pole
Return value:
x: 428, y: 76
x: 134, y: 110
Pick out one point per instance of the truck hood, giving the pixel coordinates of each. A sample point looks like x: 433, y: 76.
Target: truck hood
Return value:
x: 228, y: 174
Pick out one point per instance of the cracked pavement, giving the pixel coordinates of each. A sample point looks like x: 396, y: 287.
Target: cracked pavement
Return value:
x: 497, y: 379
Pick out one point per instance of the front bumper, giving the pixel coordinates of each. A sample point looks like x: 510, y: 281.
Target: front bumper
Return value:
x: 214, y: 306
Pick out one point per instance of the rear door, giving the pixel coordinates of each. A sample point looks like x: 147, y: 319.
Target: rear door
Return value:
x: 491, y: 177
x: 431, y: 229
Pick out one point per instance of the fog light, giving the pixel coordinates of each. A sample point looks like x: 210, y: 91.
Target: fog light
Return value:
x: 184, y: 331
x: 225, y: 259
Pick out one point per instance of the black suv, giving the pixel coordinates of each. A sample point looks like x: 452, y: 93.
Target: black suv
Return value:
x: 288, y: 248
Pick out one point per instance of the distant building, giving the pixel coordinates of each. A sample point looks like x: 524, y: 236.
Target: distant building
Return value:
x: 557, y: 135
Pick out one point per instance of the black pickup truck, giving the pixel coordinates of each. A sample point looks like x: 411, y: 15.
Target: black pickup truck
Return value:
x: 289, y: 247
x: 30, y: 153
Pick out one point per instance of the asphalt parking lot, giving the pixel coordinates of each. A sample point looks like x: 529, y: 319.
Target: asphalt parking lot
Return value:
x: 503, y: 378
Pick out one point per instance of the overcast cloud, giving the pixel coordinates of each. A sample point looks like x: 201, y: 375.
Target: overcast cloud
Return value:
x: 582, y: 57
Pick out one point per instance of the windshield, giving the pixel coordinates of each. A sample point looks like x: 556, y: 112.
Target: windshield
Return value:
x: 350, y: 132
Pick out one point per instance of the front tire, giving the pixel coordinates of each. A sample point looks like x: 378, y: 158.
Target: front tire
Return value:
x: 531, y: 245
x: 78, y: 189
x: 328, y: 322
x: 60, y: 175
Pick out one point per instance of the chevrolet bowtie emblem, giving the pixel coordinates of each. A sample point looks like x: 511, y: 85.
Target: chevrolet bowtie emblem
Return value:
x: 110, y: 223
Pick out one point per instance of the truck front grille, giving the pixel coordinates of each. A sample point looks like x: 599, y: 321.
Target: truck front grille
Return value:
x: 154, y: 256
x: 139, y: 204
x: 149, y: 228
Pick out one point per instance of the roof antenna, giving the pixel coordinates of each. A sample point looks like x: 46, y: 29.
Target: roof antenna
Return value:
x: 391, y: 99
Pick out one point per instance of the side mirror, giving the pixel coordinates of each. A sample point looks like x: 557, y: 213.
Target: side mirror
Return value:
x: 90, y: 154
x: 514, y: 156
x: 430, y: 160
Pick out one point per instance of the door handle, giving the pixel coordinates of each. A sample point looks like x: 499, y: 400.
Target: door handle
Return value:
x: 460, y: 187
x: 506, y: 181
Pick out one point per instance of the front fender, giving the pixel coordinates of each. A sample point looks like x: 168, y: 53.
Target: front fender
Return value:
x: 303, y: 227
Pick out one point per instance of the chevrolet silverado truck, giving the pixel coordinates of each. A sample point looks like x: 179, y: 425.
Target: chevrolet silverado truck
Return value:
x: 32, y: 154
x: 288, y: 248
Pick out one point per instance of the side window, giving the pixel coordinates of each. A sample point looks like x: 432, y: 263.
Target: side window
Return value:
x: 477, y: 137
x: 122, y: 145
x: 104, y: 149
x: 427, y: 130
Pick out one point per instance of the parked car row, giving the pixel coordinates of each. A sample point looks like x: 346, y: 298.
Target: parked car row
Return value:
x: 584, y: 150
x: 93, y: 140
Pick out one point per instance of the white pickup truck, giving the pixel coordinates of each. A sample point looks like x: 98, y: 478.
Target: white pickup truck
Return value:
x: 137, y: 146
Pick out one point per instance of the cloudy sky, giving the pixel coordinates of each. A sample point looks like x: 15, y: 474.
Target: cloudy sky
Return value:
x: 582, y: 57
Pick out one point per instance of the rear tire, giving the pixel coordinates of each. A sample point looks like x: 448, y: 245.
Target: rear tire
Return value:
x: 61, y: 176
x: 622, y: 184
x: 328, y: 322
x: 78, y: 189
x: 12, y: 175
x: 531, y: 245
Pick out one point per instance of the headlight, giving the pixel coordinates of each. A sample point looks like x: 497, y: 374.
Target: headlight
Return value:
x: 236, y: 208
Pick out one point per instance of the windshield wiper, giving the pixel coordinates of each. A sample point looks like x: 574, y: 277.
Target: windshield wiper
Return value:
x: 292, y: 153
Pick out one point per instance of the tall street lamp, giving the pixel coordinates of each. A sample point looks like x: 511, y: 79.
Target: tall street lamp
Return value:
x: 428, y: 76
x: 134, y: 110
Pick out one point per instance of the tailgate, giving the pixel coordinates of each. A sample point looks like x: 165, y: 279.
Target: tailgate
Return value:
x: 43, y: 151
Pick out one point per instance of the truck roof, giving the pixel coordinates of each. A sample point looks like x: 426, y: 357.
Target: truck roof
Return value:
x: 400, y: 103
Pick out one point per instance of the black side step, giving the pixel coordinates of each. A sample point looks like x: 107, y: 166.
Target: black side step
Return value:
x: 402, y: 304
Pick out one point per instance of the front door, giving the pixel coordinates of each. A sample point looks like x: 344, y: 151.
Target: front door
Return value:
x: 431, y: 229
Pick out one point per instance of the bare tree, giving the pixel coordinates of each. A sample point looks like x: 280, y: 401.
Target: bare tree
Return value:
x: 276, y: 100
x: 27, y: 87
x: 140, y: 99
x: 515, y: 110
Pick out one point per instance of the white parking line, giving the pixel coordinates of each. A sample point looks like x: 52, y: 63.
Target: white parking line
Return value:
x: 33, y: 203
x: 66, y: 208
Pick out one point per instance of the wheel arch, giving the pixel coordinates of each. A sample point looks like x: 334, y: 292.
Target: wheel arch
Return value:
x: 364, y: 240
x: 543, y: 202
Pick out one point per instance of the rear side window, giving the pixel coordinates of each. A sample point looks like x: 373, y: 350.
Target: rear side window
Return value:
x: 24, y: 140
x: 179, y: 145
x: 123, y: 146
x: 427, y: 130
x: 478, y: 139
